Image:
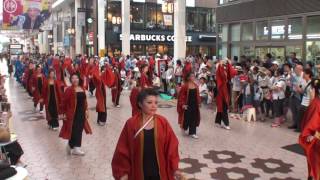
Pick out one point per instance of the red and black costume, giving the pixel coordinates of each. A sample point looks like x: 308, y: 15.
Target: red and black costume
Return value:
x: 189, y: 118
x: 37, y: 83
x: 51, y: 95
x: 152, y: 154
x: 224, y: 74
x: 100, y: 81
x: 74, y: 106
x: 116, y: 88
x: 311, y: 127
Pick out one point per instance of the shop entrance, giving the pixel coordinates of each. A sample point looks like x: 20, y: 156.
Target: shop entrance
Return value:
x: 277, y: 52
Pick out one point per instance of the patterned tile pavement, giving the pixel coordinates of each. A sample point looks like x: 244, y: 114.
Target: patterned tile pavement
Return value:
x: 248, y: 151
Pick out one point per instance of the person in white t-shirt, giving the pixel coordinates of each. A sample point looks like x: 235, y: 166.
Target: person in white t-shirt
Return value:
x: 203, y: 90
x: 307, y: 97
x: 278, y: 88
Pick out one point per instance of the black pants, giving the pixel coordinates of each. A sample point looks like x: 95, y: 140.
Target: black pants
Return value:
x: 266, y: 106
x: 41, y: 106
x: 223, y: 116
x: 91, y: 86
x: 278, y: 107
x: 102, y: 117
x: 54, y: 123
x: 295, y: 108
x: 14, y: 151
x: 302, y: 110
x: 76, y: 134
x: 165, y: 85
x: 190, y: 116
x: 152, y: 177
x: 117, y: 98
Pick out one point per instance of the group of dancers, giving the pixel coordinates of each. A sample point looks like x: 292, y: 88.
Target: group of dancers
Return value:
x: 61, y: 94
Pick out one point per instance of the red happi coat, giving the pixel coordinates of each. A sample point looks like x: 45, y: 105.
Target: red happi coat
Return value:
x: 46, y: 96
x: 100, y: 81
x: 34, y: 84
x: 27, y: 79
x: 223, y: 77
x: 312, y: 128
x: 69, y: 105
x: 116, y: 87
x: 183, y: 100
x: 128, y: 156
x: 187, y: 69
x: 144, y: 81
x: 84, y: 72
x: 59, y: 72
x: 133, y: 100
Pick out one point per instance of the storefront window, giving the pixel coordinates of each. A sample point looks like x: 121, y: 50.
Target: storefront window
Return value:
x: 313, y: 51
x: 247, y: 50
x: 200, y: 19
x: 313, y: 27
x: 295, y: 28
x: 247, y: 32
x: 296, y: 49
x: 235, y: 51
x: 235, y: 32
x: 224, y: 51
x: 277, y: 29
x: 151, y: 16
x: 137, y: 15
x: 262, y: 30
x: 224, y: 37
x: 137, y: 50
x: 113, y: 14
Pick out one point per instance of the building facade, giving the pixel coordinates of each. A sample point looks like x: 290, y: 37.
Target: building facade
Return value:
x: 257, y: 27
x: 152, y: 27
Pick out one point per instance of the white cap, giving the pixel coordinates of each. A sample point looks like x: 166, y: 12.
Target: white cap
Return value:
x: 276, y: 63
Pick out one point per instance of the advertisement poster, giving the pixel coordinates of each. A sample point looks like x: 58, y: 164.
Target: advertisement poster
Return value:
x: 25, y: 14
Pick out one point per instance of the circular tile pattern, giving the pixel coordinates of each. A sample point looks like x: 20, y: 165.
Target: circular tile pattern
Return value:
x: 223, y: 156
x: 241, y: 173
x: 265, y: 165
x: 195, y: 165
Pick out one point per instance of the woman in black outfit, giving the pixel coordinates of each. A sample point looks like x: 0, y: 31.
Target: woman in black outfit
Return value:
x: 51, y: 96
x: 189, y: 106
x: 75, y: 107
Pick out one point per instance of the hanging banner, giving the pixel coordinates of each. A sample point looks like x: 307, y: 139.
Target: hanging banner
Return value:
x: 25, y: 14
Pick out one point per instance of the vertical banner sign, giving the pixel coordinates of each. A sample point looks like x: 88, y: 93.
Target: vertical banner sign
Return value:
x: 25, y: 14
x: 81, y: 17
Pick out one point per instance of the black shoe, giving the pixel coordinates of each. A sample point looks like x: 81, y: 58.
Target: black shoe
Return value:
x: 297, y: 130
x: 292, y: 127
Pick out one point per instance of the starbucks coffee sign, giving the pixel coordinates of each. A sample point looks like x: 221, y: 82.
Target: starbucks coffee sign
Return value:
x: 154, y: 38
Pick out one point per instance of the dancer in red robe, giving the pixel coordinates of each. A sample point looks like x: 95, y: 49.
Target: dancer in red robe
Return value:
x: 310, y: 136
x: 116, y: 87
x: 27, y: 79
x: 51, y: 97
x: 189, y: 106
x: 59, y: 69
x: 37, y: 82
x: 187, y: 69
x: 100, y: 80
x: 144, y: 80
x: 224, y: 73
x: 133, y: 98
x: 147, y: 147
x: 75, y: 108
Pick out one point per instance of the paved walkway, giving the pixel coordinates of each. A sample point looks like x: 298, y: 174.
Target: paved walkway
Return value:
x: 248, y: 151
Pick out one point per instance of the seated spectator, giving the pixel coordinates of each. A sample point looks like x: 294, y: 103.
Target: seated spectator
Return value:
x: 203, y: 90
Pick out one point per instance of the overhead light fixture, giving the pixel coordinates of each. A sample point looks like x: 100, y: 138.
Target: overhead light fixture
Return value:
x: 57, y: 3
